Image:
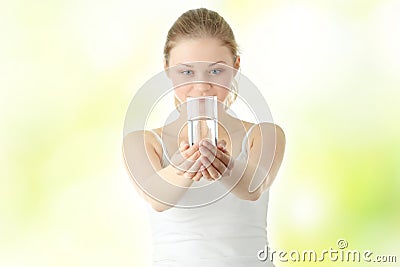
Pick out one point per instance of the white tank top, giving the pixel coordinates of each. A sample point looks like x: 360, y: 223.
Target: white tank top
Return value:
x: 226, y: 233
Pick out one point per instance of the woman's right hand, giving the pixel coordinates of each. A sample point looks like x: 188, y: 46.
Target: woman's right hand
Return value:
x: 187, y: 161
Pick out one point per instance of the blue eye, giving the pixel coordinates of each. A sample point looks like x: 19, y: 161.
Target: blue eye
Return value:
x: 215, y: 71
x: 187, y: 72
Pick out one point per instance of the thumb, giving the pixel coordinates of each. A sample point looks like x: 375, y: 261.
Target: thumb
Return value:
x: 221, y: 144
x: 183, y: 145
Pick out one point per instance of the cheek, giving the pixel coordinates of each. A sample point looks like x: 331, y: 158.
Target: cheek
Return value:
x: 181, y: 92
x: 222, y: 94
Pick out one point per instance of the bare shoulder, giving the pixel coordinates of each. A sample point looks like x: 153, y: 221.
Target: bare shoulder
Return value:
x: 271, y: 126
x: 146, y: 138
x: 138, y: 136
x: 262, y: 126
x: 267, y: 129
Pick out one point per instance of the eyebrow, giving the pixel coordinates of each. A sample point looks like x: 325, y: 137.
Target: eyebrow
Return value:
x: 215, y: 63
x: 212, y: 64
x: 187, y: 65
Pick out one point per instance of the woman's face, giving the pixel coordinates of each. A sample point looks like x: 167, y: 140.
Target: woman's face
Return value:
x: 201, y: 67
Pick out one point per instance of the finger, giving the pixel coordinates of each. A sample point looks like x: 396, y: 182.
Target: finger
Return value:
x: 192, y: 176
x: 183, y: 146
x: 215, y: 161
x: 205, y: 150
x: 221, y: 144
x: 224, y: 156
x: 211, y: 170
x: 178, y: 157
x: 190, y: 151
x: 197, y: 177
x: 188, y: 163
x: 220, y: 167
x: 192, y: 170
x: 209, y: 145
x: 195, y: 167
x: 223, y: 149
x: 206, y: 174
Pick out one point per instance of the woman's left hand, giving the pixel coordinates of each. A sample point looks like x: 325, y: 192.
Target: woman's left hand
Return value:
x: 216, y: 160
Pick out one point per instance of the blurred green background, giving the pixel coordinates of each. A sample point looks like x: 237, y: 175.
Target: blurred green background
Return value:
x: 330, y: 71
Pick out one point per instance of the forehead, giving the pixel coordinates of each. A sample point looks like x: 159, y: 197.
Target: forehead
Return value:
x: 202, y: 49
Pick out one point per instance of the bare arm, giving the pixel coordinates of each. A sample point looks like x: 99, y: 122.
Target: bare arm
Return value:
x: 160, y: 187
x: 248, y: 178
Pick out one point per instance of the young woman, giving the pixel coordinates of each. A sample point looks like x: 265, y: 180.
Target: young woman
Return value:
x: 225, y: 224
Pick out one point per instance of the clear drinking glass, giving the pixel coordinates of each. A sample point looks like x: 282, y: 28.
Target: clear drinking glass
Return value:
x: 202, y: 116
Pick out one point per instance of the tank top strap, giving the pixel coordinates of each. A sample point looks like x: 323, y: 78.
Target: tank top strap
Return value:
x: 164, y: 160
x: 246, y: 138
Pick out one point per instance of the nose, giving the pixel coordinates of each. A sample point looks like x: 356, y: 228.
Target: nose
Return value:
x: 202, y: 87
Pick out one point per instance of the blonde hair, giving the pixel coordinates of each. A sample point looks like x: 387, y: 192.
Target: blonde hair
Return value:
x: 203, y: 23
